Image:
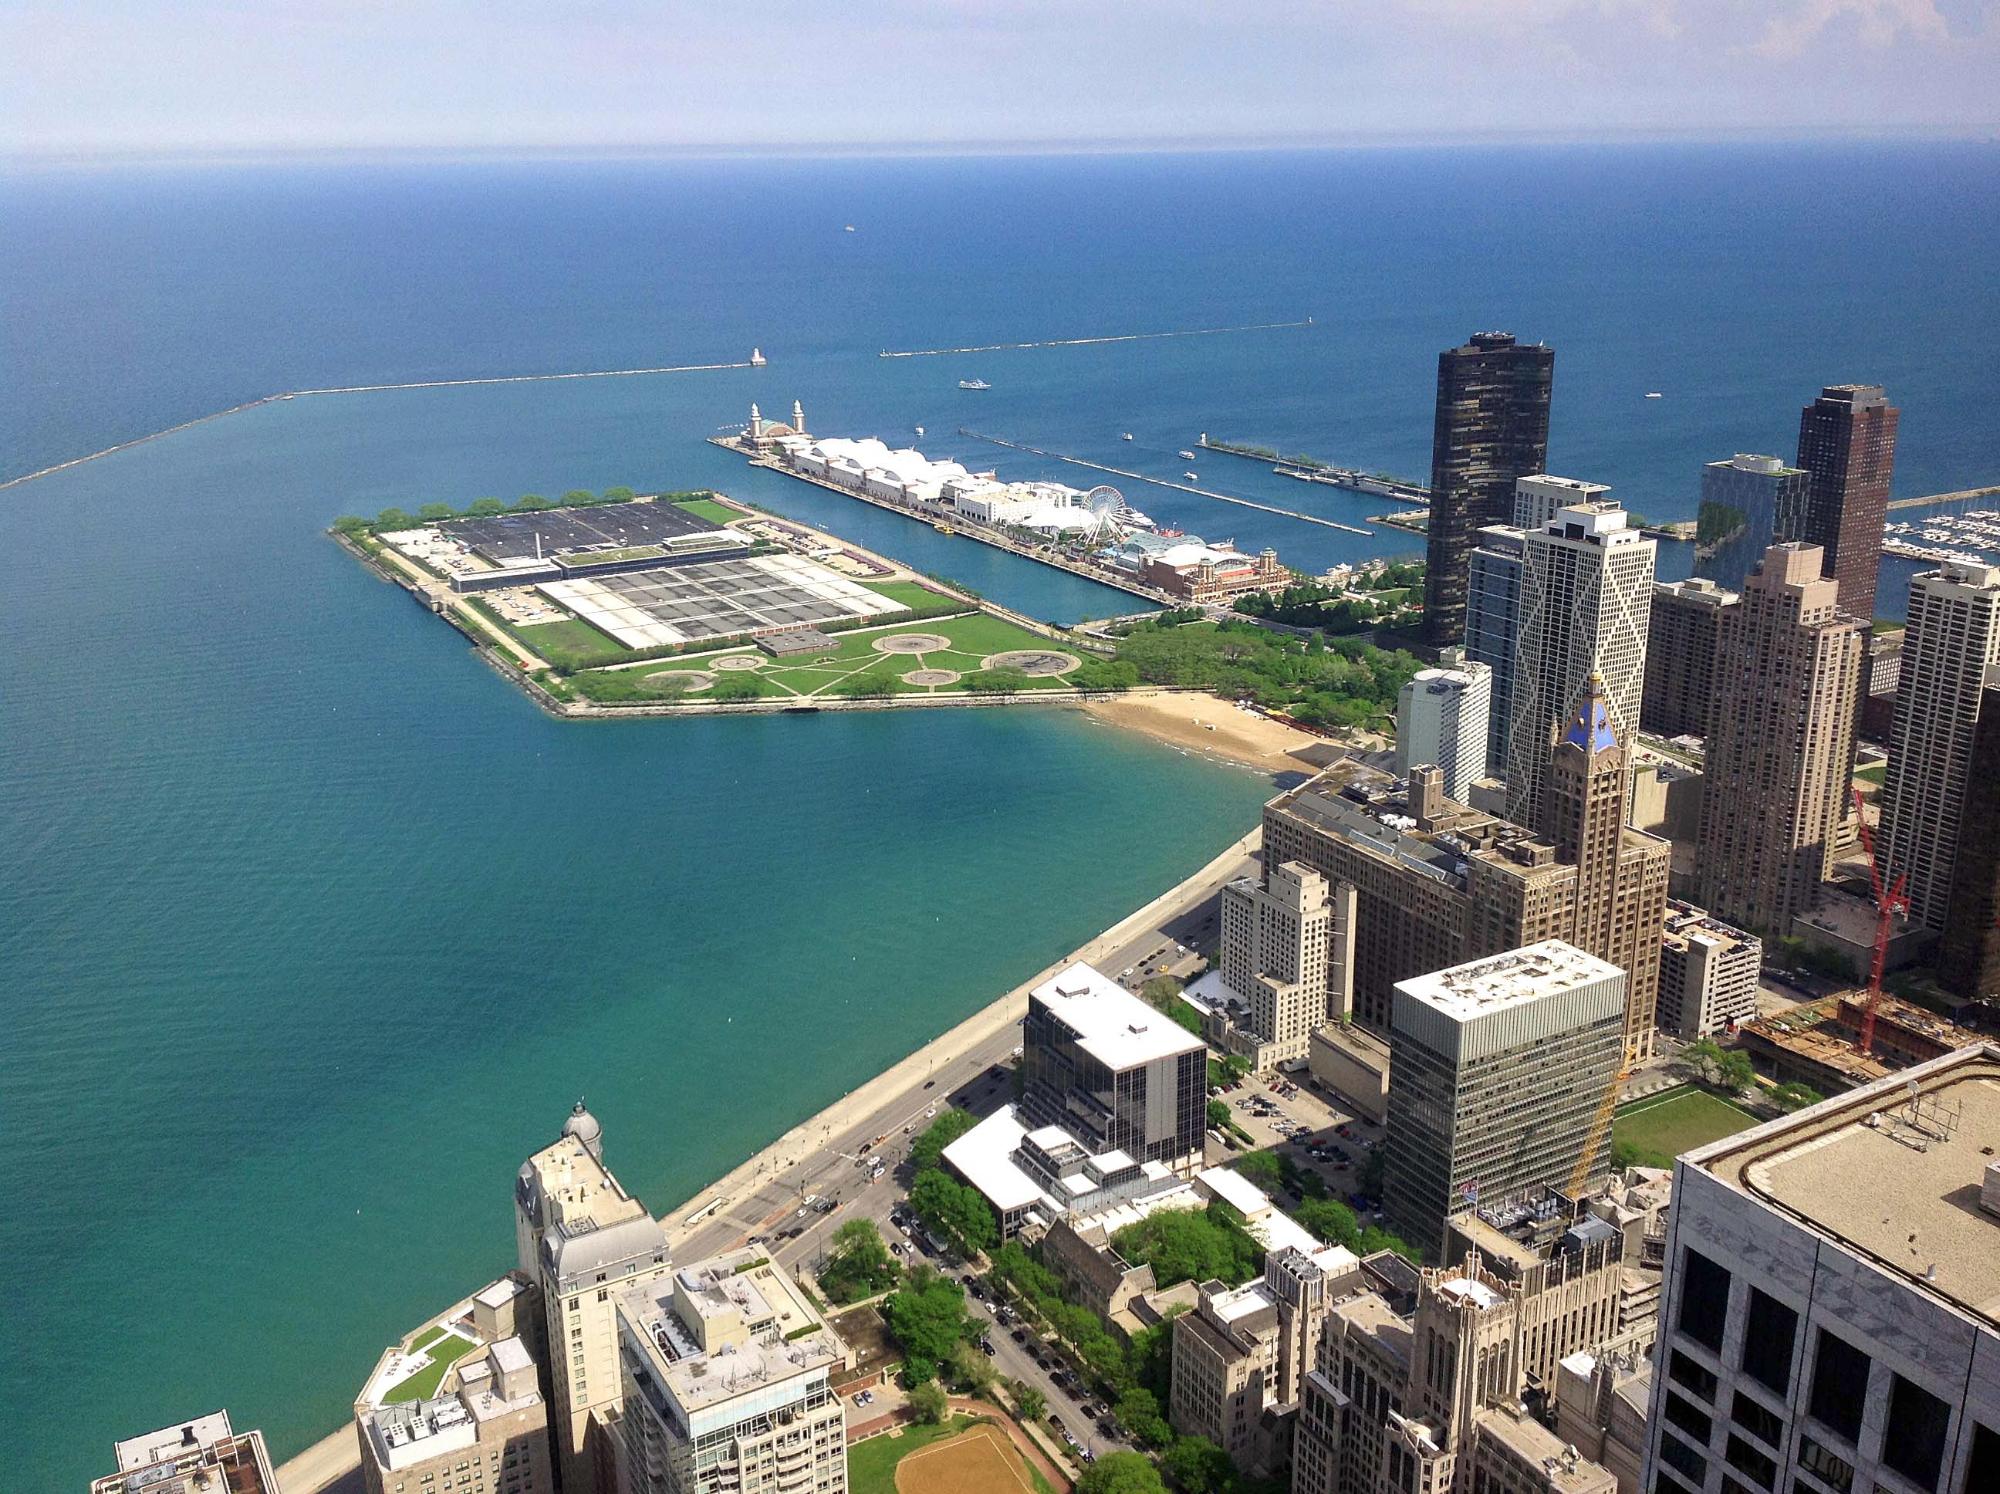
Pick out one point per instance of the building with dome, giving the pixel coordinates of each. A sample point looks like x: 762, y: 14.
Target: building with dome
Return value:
x: 766, y: 436
x: 582, y: 1239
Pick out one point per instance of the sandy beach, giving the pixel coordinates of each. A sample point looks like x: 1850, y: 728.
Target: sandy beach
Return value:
x: 1216, y: 727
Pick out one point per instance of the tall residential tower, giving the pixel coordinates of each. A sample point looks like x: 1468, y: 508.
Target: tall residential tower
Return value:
x: 582, y: 1239
x: 1492, y: 428
x: 1952, y: 639
x: 1788, y: 667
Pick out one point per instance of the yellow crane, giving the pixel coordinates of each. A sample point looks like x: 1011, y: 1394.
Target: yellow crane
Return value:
x: 1599, y: 1124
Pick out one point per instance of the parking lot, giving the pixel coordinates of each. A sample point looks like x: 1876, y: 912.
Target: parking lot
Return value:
x: 1288, y: 1114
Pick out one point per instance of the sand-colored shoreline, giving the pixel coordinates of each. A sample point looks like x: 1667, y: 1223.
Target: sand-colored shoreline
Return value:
x: 1215, y: 727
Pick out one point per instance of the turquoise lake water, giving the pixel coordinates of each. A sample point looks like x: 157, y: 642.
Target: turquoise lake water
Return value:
x: 311, y: 926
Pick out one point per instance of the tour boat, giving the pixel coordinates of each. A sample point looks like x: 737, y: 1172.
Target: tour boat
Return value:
x: 973, y: 384
x: 1192, y: 476
x: 1186, y: 456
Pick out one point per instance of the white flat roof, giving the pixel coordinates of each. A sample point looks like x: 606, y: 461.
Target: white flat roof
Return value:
x: 1112, y: 1025
x: 1235, y: 1190
x: 984, y: 1157
x: 1493, y: 983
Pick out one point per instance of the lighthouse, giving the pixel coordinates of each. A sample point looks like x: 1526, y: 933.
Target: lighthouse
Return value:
x: 756, y: 431
x: 798, y: 418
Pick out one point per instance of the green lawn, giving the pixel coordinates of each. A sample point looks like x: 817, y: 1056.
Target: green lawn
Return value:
x: 1664, y: 1126
x: 972, y: 638
x: 919, y: 598
x: 708, y: 508
x: 571, y: 643
x: 425, y: 1381
x: 1873, y: 773
x: 871, y: 1465
x: 426, y: 1339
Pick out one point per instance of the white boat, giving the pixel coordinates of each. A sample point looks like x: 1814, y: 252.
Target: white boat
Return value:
x: 1186, y: 456
x: 1653, y: 394
x: 973, y: 384
x: 849, y: 228
x: 920, y: 430
x: 1192, y: 476
x: 1125, y: 436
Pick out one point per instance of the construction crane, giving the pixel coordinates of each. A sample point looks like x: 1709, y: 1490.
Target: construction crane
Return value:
x: 1599, y: 1124
x: 1888, y: 903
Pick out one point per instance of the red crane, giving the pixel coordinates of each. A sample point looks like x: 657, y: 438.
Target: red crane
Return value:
x: 1887, y: 905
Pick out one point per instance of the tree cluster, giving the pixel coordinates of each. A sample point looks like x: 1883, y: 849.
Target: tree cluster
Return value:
x: 391, y: 519
x: 858, y: 1264
x: 956, y: 1211
x: 1344, y: 683
x: 1192, y: 1245
x: 927, y: 1317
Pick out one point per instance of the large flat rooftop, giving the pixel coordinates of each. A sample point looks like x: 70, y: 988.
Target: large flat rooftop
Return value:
x: 1493, y: 983
x: 1892, y: 1171
x: 1112, y: 1025
x: 727, y: 1327
x: 202, y: 1453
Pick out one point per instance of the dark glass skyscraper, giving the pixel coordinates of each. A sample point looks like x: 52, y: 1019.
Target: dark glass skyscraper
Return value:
x: 1748, y: 504
x: 1492, y: 428
x: 1847, y: 443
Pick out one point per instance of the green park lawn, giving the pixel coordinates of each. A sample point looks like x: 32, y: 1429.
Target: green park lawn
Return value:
x: 425, y: 1381
x: 425, y: 1339
x: 709, y: 509
x: 971, y: 638
x: 1663, y: 1126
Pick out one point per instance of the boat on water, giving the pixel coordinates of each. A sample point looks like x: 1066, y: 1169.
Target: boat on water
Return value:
x: 1186, y: 456
x: 848, y: 228
x: 1654, y: 394
x: 1125, y: 435
x: 973, y: 384
x: 944, y: 529
x: 919, y: 430
x: 1192, y: 476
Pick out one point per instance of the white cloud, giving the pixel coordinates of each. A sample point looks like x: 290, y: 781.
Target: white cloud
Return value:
x: 1879, y: 23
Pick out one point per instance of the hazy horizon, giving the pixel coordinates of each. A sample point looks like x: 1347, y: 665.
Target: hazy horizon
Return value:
x: 119, y: 78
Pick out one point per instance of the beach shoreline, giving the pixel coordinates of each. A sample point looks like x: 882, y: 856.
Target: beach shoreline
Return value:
x: 1200, y: 722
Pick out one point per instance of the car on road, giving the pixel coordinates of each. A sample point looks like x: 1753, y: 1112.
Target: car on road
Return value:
x: 986, y: 1347
x: 1055, y: 1423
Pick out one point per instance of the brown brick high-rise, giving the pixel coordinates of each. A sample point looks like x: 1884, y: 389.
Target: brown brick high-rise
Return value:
x: 1847, y: 445
x: 1492, y: 428
x: 1781, y: 737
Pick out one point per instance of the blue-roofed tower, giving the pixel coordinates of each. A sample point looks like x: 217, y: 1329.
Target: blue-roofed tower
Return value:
x: 1616, y: 912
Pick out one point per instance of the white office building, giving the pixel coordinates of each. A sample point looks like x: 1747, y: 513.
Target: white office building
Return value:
x: 1442, y: 717
x: 1497, y: 1070
x: 1586, y: 599
x: 1830, y: 1319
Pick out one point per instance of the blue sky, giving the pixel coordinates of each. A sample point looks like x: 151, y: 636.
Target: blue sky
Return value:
x: 127, y: 75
